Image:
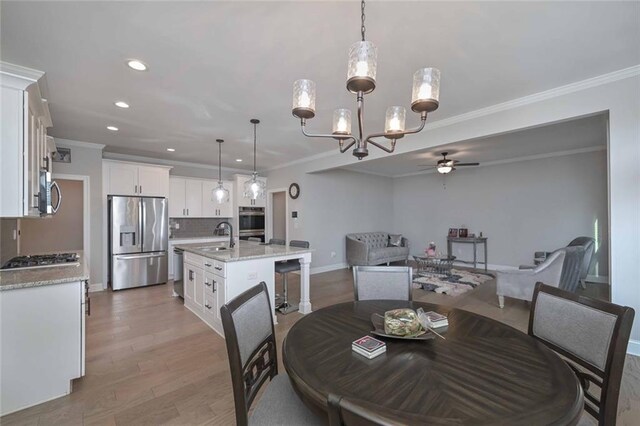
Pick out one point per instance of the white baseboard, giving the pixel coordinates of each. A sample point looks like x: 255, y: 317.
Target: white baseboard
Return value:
x: 490, y: 266
x: 95, y: 287
x: 634, y: 347
x: 328, y: 268
x: 602, y: 279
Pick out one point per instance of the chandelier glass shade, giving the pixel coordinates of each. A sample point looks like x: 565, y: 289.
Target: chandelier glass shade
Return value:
x: 362, y: 67
x: 254, y: 188
x: 220, y: 194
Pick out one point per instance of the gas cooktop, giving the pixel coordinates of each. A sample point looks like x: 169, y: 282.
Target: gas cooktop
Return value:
x: 41, y: 261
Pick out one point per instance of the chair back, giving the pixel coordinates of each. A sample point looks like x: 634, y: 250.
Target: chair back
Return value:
x: 588, y: 244
x: 571, y: 268
x: 343, y: 412
x: 592, y: 335
x: 382, y: 282
x: 277, y: 242
x: 251, y: 345
x: 299, y: 244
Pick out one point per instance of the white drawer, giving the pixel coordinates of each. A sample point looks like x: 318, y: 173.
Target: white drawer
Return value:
x: 194, y: 259
x: 215, y: 267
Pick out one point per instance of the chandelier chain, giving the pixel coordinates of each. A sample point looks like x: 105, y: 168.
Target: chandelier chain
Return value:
x: 255, y: 125
x: 219, y: 162
x: 362, y: 17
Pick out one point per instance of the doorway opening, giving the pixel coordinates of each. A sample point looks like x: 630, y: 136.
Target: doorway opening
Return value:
x: 277, y: 208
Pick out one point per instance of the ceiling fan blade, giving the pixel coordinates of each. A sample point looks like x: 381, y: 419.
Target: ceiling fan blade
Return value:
x: 467, y: 164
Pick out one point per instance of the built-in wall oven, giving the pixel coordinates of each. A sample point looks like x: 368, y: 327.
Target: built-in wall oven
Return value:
x: 251, y: 222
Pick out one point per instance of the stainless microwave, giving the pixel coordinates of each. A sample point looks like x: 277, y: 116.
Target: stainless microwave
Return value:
x: 45, y: 199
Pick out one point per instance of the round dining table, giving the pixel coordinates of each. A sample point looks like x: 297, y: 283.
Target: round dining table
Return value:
x: 483, y: 373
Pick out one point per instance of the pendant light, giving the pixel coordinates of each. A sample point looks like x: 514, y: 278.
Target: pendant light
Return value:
x: 220, y: 194
x: 254, y: 188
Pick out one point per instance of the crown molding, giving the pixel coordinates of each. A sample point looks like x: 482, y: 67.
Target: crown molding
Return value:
x: 80, y: 144
x: 517, y: 159
x: 577, y: 86
x: 150, y: 160
x: 20, y: 72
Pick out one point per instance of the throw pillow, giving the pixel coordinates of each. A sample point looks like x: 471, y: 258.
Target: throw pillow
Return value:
x: 395, y: 240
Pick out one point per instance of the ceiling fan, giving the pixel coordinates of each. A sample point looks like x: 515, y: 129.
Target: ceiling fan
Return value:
x: 447, y: 165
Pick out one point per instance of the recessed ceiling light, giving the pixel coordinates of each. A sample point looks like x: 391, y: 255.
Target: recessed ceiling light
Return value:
x: 171, y: 149
x: 121, y: 104
x: 112, y: 128
x: 239, y: 160
x: 137, y: 65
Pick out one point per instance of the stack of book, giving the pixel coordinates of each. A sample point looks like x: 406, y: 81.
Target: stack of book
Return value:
x: 436, y: 320
x: 369, y: 347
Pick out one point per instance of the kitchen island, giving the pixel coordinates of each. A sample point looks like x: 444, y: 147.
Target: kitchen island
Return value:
x: 216, y: 273
x: 42, y: 333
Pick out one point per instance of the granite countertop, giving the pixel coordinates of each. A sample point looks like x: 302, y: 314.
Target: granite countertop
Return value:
x: 242, y: 251
x: 37, y: 277
x: 202, y: 237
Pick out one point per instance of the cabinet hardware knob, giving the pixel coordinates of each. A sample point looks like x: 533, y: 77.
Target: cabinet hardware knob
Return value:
x: 208, y: 284
x: 207, y: 264
x: 207, y: 306
x: 217, y: 268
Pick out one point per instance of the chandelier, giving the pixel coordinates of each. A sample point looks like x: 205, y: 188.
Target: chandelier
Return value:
x: 254, y: 188
x: 361, y: 80
x: 220, y: 194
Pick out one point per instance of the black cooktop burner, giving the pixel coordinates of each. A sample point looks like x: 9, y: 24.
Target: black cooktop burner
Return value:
x: 40, y: 260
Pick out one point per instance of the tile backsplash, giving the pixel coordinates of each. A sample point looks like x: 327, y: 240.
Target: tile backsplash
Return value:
x: 189, y: 228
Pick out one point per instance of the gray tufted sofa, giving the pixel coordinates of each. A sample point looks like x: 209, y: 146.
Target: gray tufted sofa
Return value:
x: 371, y: 248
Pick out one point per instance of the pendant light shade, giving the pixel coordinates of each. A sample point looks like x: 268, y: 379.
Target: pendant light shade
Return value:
x: 342, y: 122
x: 255, y: 188
x: 363, y: 64
x: 220, y: 194
x: 425, y: 96
x: 304, y: 99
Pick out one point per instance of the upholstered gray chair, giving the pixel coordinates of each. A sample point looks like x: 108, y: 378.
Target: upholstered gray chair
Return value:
x: 592, y: 336
x: 382, y: 282
x: 253, y: 358
x: 588, y: 245
x: 284, y: 307
x: 277, y: 242
x: 519, y: 283
x: 372, y: 248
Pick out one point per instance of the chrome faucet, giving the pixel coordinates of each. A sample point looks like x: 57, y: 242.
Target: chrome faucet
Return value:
x: 231, y: 241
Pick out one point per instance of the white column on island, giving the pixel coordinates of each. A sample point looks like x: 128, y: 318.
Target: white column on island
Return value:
x: 305, y: 303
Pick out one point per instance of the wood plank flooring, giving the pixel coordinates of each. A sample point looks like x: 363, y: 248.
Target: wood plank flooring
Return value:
x: 151, y: 361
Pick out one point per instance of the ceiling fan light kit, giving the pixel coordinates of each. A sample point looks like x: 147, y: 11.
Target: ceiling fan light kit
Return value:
x: 361, y: 80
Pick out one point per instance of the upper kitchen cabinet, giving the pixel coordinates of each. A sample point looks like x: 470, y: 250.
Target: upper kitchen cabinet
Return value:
x: 192, y: 198
x: 144, y: 180
x: 248, y: 202
x: 211, y: 208
x: 24, y: 151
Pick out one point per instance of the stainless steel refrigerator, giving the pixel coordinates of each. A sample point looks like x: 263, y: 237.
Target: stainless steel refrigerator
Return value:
x: 138, y: 241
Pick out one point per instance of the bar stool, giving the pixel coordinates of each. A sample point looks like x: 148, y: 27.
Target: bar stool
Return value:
x: 284, y: 268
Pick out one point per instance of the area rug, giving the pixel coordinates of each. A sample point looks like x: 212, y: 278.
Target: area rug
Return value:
x: 459, y: 282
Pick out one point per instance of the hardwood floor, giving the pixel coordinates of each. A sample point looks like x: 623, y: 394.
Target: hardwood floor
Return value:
x: 151, y: 361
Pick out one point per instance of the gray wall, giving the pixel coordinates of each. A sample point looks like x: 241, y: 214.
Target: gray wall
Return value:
x: 61, y: 232
x: 88, y: 162
x: 332, y: 204
x: 279, y: 215
x: 8, y: 246
x: 521, y: 207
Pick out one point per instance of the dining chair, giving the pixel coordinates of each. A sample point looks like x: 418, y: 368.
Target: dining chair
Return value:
x: 382, y: 282
x: 344, y: 412
x: 253, y: 358
x: 592, y: 335
x: 277, y: 242
x: 284, y: 268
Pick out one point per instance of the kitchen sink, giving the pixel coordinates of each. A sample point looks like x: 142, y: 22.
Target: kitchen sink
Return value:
x: 213, y: 248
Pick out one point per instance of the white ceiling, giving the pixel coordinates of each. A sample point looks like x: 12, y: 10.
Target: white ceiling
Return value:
x: 215, y: 65
x: 559, y: 138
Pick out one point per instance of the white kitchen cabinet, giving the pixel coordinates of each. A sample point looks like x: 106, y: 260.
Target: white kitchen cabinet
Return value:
x: 124, y: 178
x: 211, y: 208
x: 248, y: 202
x: 176, y: 197
x: 190, y: 197
x: 23, y: 140
x: 41, y: 343
x: 177, y: 241
x: 193, y: 285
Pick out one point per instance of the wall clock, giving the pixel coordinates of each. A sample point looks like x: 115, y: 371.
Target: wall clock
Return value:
x: 294, y: 190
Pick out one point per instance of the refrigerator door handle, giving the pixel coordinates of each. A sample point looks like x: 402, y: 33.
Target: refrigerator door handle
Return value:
x: 140, y: 223
x: 139, y: 256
